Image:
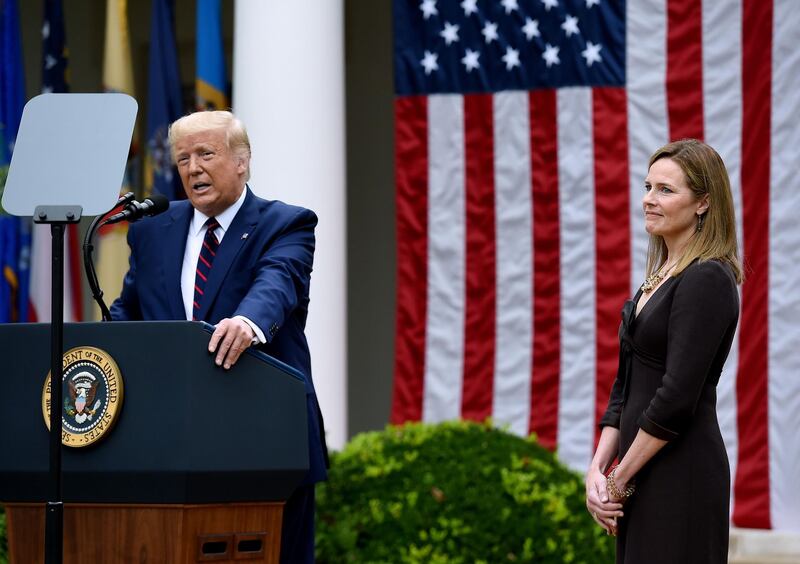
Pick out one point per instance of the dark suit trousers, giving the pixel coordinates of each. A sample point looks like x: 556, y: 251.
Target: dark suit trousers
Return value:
x: 297, y: 534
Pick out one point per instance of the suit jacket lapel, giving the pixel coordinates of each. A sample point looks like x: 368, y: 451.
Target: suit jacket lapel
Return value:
x: 176, y: 228
x: 235, y: 238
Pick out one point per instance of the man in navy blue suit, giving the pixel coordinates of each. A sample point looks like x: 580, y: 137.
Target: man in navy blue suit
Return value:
x: 238, y: 262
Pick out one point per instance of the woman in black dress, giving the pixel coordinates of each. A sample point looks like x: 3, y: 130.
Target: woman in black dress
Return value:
x: 667, y: 500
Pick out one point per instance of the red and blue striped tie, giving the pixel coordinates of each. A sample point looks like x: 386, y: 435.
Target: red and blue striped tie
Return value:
x: 207, y: 253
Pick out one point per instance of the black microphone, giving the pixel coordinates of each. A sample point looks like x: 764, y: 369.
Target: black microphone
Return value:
x: 134, y: 211
x: 124, y: 199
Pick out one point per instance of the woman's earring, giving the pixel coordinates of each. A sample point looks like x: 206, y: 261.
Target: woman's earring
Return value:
x: 701, y: 219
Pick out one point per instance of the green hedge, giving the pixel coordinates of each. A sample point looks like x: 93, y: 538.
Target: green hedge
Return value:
x: 3, y: 540
x: 453, y: 493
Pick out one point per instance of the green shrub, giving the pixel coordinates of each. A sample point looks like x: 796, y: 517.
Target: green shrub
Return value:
x: 3, y: 539
x: 455, y: 492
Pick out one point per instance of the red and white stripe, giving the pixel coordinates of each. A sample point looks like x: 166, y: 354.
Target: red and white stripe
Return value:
x: 520, y: 235
x: 722, y: 104
x: 784, y: 271
x: 41, y: 275
x: 444, y: 344
x: 514, y: 259
x: 751, y: 506
x: 578, y: 319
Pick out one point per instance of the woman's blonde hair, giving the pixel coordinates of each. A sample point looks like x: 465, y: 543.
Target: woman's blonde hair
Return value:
x: 715, y: 237
x: 235, y: 133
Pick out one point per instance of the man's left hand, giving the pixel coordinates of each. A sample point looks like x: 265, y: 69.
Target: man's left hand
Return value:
x: 229, y: 341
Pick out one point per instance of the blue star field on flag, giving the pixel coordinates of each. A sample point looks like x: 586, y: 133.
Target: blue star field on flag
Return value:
x: 447, y: 46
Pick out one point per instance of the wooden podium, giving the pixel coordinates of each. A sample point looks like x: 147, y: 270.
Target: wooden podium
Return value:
x: 196, y: 468
x: 180, y: 534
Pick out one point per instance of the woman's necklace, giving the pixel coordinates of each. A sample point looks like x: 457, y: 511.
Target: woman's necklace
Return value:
x: 652, y: 281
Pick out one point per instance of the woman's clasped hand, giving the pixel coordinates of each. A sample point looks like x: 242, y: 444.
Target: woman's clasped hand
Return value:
x: 604, y: 508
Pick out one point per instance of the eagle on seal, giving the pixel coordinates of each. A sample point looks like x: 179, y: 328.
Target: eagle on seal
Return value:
x: 82, y: 392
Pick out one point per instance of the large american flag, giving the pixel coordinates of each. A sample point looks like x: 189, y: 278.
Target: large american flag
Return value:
x: 523, y: 130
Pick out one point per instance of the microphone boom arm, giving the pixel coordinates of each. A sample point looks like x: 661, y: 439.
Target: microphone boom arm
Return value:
x: 88, y: 261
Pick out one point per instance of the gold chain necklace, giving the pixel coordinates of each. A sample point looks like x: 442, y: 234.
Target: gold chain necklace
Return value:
x: 652, y: 281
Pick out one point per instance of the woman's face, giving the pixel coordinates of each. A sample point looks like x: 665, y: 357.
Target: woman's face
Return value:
x: 670, y: 206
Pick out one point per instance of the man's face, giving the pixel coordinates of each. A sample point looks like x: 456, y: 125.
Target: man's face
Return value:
x: 212, y: 175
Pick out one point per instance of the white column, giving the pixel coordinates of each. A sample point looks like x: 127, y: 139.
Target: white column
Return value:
x: 288, y: 89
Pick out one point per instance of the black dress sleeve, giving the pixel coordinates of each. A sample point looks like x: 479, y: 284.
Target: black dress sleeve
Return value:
x: 705, y: 308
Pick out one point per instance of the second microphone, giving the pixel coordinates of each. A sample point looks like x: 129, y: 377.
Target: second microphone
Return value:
x: 134, y: 211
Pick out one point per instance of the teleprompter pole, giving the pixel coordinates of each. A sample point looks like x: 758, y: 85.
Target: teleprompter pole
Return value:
x: 57, y: 217
x: 54, y: 520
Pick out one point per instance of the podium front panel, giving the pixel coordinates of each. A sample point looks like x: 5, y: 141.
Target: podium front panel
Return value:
x: 188, y: 431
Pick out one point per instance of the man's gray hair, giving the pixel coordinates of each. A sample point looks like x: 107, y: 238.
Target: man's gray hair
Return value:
x: 235, y: 133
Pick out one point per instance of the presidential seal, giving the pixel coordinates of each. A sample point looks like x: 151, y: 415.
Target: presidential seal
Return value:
x: 92, y: 396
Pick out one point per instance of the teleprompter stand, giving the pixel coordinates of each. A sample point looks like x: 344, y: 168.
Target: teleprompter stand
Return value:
x: 69, y: 158
x: 58, y: 217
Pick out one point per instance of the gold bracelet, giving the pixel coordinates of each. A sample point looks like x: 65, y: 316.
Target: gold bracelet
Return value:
x: 611, y: 486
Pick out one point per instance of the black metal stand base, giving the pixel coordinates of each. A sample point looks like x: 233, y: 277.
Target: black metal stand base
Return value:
x: 53, y: 532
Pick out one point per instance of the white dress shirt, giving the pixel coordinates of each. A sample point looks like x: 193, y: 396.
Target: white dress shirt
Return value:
x: 194, y: 242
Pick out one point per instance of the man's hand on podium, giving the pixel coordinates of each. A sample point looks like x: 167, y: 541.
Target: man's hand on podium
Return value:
x: 229, y: 340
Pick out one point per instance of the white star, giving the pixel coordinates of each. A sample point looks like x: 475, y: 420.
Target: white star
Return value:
x: 50, y: 61
x: 469, y: 7
x: 489, y: 31
x: 470, y: 60
x: 550, y: 55
x: 550, y: 4
x: 429, y: 62
x: 428, y: 8
x: 590, y: 3
x: 450, y: 33
x: 511, y: 58
x: 570, y: 26
x: 509, y: 5
x: 531, y: 28
x: 592, y: 53
x: 46, y: 30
